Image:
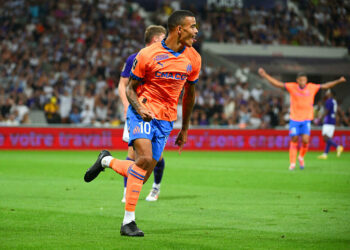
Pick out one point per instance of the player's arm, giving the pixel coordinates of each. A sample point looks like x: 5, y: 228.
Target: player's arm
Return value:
x: 331, y: 84
x: 187, y: 107
x: 123, y: 81
x: 270, y: 79
x: 146, y: 114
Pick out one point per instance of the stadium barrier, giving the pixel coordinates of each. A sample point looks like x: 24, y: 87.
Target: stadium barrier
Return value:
x: 198, y: 139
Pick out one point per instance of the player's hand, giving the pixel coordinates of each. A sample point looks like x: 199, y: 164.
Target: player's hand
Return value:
x: 262, y: 72
x: 342, y: 79
x: 181, y: 139
x: 146, y: 114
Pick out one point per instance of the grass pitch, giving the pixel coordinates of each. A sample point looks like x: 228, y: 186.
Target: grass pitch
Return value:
x: 208, y: 200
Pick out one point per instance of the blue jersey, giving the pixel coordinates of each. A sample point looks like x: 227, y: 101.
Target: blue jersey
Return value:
x: 128, y: 65
x: 331, y: 109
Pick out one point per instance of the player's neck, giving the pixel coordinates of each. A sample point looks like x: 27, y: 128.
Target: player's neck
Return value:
x: 173, y: 43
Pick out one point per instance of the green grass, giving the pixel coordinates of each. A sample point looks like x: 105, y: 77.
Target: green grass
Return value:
x: 209, y: 200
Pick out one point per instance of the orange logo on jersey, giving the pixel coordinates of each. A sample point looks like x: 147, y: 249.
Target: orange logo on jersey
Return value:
x: 136, y: 130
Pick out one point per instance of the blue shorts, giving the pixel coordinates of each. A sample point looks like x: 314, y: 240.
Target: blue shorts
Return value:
x: 157, y: 131
x: 299, y: 128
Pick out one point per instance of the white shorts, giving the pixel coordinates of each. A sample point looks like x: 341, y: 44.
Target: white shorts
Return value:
x: 328, y: 130
x: 126, y: 132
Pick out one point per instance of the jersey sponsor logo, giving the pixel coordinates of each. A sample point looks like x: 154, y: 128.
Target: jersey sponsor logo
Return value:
x: 170, y: 75
x: 161, y: 57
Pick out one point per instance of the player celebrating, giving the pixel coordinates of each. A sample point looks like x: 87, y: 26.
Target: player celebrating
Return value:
x: 301, y: 111
x: 159, y: 74
x: 329, y: 126
x: 153, y: 34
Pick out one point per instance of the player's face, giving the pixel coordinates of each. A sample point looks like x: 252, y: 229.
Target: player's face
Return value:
x: 188, y: 31
x: 302, y: 80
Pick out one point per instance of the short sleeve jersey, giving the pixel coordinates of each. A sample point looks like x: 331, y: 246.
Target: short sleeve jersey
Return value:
x: 127, y: 66
x: 302, y: 100
x: 331, y: 108
x: 163, y: 73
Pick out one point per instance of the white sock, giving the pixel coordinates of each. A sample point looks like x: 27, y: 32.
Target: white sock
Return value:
x: 128, y: 217
x: 124, y: 191
x: 157, y: 186
x: 106, y: 161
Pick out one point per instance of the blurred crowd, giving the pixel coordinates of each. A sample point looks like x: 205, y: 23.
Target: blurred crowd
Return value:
x: 331, y: 18
x: 316, y: 23
x: 65, y: 57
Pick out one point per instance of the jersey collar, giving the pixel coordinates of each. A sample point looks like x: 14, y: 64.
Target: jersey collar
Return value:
x: 171, y: 51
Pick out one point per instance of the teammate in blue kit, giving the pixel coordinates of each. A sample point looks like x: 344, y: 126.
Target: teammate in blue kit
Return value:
x: 153, y: 34
x: 329, y: 126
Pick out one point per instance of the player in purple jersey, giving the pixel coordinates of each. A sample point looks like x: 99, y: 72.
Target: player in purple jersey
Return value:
x: 328, y: 126
x: 153, y: 34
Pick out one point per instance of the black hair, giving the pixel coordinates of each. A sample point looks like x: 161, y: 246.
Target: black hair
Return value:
x: 301, y: 74
x: 176, y: 18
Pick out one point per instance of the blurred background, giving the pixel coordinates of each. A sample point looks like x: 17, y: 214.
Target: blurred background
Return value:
x: 60, y: 61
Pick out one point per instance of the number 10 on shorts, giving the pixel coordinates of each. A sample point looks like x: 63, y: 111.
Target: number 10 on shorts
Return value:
x: 145, y: 127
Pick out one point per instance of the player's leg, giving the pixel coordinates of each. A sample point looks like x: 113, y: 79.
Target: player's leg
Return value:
x: 131, y: 154
x: 162, y: 132
x: 328, y: 132
x: 303, y: 150
x: 158, y: 175
x: 293, y: 145
x: 305, y: 129
x: 325, y: 139
x: 293, y: 152
x: 130, y: 157
x: 142, y: 135
x: 144, y: 163
x: 324, y: 156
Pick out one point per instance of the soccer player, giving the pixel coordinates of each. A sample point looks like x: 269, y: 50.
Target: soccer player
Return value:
x: 302, y: 96
x: 328, y: 126
x: 153, y: 34
x: 159, y: 73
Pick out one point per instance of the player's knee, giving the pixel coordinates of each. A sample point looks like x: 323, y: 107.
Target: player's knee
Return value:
x: 294, y: 139
x: 144, y: 162
x: 305, y: 141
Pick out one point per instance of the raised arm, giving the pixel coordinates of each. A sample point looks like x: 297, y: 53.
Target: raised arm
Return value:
x: 188, y: 100
x: 270, y: 79
x: 121, y: 90
x: 331, y: 84
x: 146, y: 114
